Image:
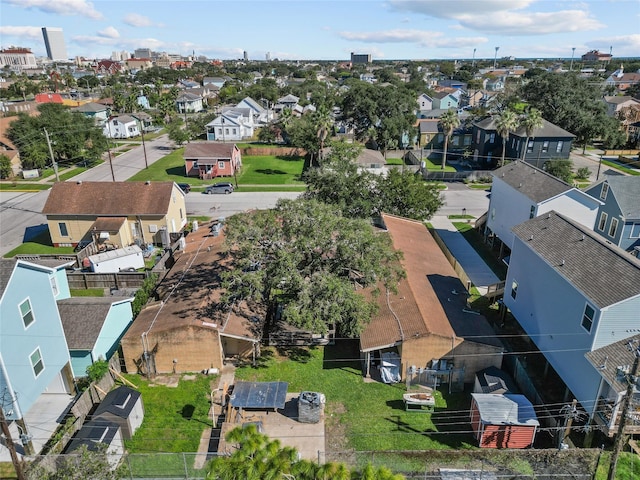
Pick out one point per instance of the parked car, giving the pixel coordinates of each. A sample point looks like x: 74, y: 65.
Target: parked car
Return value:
x: 185, y: 187
x: 222, y: 187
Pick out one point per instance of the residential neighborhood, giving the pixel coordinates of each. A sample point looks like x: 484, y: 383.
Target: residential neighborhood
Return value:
x: 414, y: 268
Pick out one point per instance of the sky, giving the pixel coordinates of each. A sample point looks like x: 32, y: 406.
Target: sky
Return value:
x: 329, y: 30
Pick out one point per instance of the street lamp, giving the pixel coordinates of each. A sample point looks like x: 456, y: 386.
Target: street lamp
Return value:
x: 573, y: 51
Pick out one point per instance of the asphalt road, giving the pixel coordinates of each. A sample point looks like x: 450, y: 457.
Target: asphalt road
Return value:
x: 20, y: 215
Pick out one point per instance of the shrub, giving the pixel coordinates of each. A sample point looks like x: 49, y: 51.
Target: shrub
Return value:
x: 582, y: 173
x: 143, y: 294
x: 97, y: 370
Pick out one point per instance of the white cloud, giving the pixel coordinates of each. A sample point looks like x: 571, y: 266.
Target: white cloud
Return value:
x: 422, y: 38
x: 60, y: 7
x: 136, y: 20
x: 109, y: 32
x: 508, y: 17
x: 623, y: 45
x: 31, y: 33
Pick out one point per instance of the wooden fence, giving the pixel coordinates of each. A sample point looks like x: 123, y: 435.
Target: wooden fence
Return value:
x: 275, y: 151
x: 119, y: 280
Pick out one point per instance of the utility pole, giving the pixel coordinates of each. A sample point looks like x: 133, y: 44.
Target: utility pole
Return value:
x: 620, y: 436
x: 11, y: 446
x: 144, y: 147
x: 53, y: 160
x: 570, y: 412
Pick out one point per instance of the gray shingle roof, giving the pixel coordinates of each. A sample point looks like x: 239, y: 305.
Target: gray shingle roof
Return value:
x: 532, y: 182
x: 604, y: 273
x: 548, y: 129
x: 83, y: 318
x: 626, y: 190
x: 119, y: 402
x: 607, y: 360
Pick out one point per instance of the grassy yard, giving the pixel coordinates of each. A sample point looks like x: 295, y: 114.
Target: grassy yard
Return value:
x: 40, y: 244
x: 621, y: 167
x: 437, y: 166
x: 89, y: 292
x: 269, y: 171
x: 359, y: 415
x: 174, y: 418
x: 22, y: 186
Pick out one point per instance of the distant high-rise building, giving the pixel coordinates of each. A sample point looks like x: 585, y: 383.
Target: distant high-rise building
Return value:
x: 245, y: 56
x: 267, y: 57
x: 54, y: 43
x: 142, y: 53
x: 360, y: 58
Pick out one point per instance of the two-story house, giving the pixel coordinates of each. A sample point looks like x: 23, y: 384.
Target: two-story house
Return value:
x: 548, y: 142
x: 521, y: 191
x: 36, y: 378
x: 260, y: 114
x: 100, y: 113
x: 114, y: 213
x: 122, y: 126
x: 233, y: 124
x: 613, y: 363
x: 189, y: 103
x: 572, y: 293
x: 425, y: 104
x: 445, y: 101
x: 619, y: 214
x: 212, y: 159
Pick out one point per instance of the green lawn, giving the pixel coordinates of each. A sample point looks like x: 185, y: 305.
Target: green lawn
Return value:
x: 371, y: 415
x: 271, y: 170
x: 41, y: 244
x: 437, y: 166
x: 23, y: 186
x: 256, y: 171
x: 89, y: 292
x: 174, y: 418
x: 621, y: 167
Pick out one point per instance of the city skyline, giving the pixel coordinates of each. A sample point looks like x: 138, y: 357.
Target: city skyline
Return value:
x: 330, y: 30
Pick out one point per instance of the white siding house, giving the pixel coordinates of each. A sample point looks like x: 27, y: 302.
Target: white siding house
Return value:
x: 521, y: 191
x: 122, y: 126
x: 231, y: 126
x: 571, y: 292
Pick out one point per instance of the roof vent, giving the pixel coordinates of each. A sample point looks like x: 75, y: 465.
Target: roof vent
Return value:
x: 562, y: 264
x: 548, y: 215
x: 531, y: 238
x: 582, y: 239
x: 79, y: 182
x: 148, y: 182
x: 520, y: 186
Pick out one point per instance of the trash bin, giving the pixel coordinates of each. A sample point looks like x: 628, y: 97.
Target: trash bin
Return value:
x: 310, y: 407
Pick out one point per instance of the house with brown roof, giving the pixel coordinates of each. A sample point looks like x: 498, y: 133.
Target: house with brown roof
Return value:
x: 209, y: 160
x: 185, y: 331
x: 427, y: 323
x: 114, y: 213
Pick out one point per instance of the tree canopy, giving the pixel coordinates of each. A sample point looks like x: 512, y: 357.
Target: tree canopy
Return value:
x: 258, y: 458
x: 73, y: 136
x: 358, y: 193
x: 309, y: 259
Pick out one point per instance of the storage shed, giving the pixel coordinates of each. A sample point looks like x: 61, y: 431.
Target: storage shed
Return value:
x: 100, y: 431
x: 113, y: 261
x: 124, y: 407
x: 503, y: 421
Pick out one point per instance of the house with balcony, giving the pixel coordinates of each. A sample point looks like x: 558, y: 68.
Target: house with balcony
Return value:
x: 619, y: 213
x: 210, y: 160
x: 572, y: 293
x: 232, y: 125
x: 548, y: 142
x: 520, y: 191
x: 189, y: 103
x: 613, y: 363
x: 114, y: 214
x: 36, y: 377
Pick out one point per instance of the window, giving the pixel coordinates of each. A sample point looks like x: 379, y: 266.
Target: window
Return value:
x: 514, y: 289
x: 54, y: 286
x: 587, y: 317
x: 492, y: 137
x: 559, y: 146
x: 36, y: 362
x: 181, y: 217
x: 532, y: 211
x: 604, y: 191
x: 477, y: 136
x: 635, y: 231
x: 195, y: 164
x: 221, y: 165
x: 545, y: 146
x: 613, y: 228
x: 226, y: 131
x: 234, y: 131
x: 530, y: 146
x: 219, y: 131
x: 63, y: 229
x: 602, y: 222
x: 26, y: 313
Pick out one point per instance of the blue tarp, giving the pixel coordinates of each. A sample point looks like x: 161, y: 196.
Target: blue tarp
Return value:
x: 262, y: 395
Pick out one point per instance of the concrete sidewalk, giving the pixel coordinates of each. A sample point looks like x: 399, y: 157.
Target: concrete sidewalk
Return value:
x: 474, y: 266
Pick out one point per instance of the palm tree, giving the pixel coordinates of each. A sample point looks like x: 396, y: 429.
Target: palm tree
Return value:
x: 449, y: 121
x: 506, y: 123
x: 324, y: 124
x: 530, y: 121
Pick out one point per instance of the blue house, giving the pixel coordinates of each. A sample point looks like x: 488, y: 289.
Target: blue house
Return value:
x: 36, y: 378
x: 572, y: 293
x: 619, y: 216
x: 93, y: 328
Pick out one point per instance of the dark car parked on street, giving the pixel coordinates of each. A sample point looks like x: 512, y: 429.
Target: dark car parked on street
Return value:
x: 185, y: 187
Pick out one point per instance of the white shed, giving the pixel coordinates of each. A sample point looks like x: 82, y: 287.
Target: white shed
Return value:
x: 117, y: 260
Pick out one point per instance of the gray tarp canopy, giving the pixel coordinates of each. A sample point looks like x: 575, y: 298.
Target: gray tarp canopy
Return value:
x: 263, y: 395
